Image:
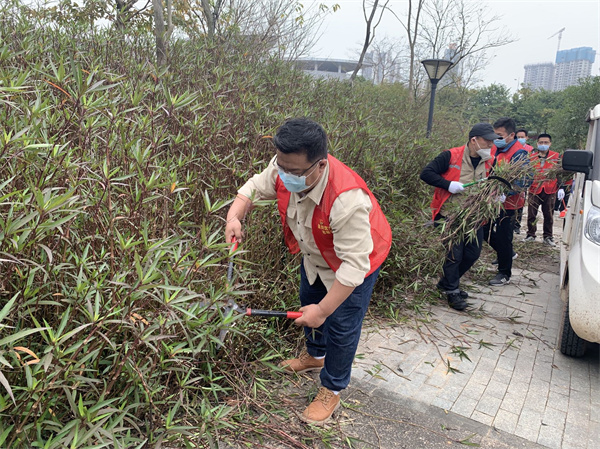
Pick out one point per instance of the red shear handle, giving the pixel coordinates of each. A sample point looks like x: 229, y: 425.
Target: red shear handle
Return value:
x: 273, y: 313
x: 235, y: 243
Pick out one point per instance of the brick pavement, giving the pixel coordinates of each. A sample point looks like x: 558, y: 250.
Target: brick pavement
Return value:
x: 498, y: 364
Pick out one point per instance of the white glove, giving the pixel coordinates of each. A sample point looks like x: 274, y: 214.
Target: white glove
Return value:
x: 502, y: 198
x: 560, y: 194
x: 455, y: 187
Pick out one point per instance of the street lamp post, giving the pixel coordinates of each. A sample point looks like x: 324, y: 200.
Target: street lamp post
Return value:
x: 436, y: 69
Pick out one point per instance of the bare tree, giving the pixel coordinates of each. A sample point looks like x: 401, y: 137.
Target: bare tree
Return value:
x: 285, y: 27
x: 387, y: 56
x: 370, y: 31
x: 411, y: 26
x: 211, y: 15
x: 459, y: 30
x: 463, y: 32
x: 125, y: 11
x: 161, y: 33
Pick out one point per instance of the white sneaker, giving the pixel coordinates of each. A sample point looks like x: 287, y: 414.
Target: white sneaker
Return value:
x: 549, y: 241
x: 529, y: 238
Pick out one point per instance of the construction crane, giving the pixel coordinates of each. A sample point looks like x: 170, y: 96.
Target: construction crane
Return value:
x: 560, y: 32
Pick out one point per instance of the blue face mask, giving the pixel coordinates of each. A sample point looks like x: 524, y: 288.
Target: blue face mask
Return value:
x: 522, y: 140
x: 500, y: 143
x: 543, y: 147
x: 293, y: 183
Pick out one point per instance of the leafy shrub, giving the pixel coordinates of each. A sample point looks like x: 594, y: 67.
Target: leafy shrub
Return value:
x: 115, y: 178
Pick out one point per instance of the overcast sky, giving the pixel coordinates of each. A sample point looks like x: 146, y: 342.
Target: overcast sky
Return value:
x: 531, y: 22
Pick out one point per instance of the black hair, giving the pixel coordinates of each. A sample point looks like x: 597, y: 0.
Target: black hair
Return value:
x: 301, y: 135
x: 507, y: 123
x: 545, y: 135
x: 522, y: 130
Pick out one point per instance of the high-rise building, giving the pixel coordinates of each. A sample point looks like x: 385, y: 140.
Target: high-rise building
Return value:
x: 455, y: 74
x: 572, y: 65
x: 539, y: 76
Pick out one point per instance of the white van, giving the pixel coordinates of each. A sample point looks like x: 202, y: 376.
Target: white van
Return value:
x: 580, y: 249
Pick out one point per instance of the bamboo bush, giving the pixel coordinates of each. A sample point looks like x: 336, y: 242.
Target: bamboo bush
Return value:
x: 114, y: 182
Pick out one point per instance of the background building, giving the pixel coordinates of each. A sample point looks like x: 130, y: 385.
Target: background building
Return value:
x: 539, y: 76
x: 572, y: 65
x: 340, y: 69
x: 455, y: 74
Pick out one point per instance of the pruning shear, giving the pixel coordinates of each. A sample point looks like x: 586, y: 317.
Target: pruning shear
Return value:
x: 233, y: 306
x: 497, y: 178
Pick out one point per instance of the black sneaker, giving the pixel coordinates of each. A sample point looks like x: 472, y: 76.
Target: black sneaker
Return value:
x: 456, y: 301
x: 462, y: 293
x: 500, y: 279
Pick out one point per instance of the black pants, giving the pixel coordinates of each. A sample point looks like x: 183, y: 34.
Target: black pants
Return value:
x: 459, y: 260
x: 499, y: 234
x: 518, y: 218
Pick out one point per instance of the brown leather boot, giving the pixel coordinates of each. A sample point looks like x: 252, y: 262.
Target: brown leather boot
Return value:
x: 321, y: 408
x: 305, y: 362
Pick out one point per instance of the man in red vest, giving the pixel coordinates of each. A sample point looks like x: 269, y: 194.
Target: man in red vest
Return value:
x: 499, y: 233
x: 522, y: 136
x: 447, y: 173
x: 328, y: 213
x: 543, y: 191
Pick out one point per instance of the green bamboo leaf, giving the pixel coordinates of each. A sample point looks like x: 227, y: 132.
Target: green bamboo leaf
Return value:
x: 6, y: 309
x: 19, y: 335
x: 74, y: 332
x: 5, y: 434
x: 6, y: 385
x: 80, y: 407
x: 19, y: 223
x: 48, y: 253
x: 53, y: 224
x: 8, y: 181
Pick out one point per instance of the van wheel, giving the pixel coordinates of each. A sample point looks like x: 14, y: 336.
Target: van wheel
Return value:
x: 570, y: 343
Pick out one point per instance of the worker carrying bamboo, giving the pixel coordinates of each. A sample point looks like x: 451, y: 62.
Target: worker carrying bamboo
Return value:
x: 509, y: 154
x: 447, y: 173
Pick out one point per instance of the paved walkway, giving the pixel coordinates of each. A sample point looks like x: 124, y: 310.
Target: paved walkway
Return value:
x: 498, y: 364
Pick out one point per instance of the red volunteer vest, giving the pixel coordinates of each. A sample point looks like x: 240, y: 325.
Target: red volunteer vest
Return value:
x: 341, y: 179
x: 549, y: 186
x: 440, y: 196
x: 517, y: 200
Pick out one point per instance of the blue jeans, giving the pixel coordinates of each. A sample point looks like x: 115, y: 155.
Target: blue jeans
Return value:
x: 338, y: 336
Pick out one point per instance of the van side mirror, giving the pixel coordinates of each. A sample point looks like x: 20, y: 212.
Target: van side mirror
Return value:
x: 578, y: 160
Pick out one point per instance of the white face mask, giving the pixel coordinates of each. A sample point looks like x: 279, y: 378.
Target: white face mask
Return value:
x: 484, y: 153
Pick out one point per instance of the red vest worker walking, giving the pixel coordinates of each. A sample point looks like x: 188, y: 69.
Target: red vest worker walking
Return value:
x: 522, y: 136
x: 543, y: 191
x: 329, y: 214
x: 499, y: 233
x: 447, y: 173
